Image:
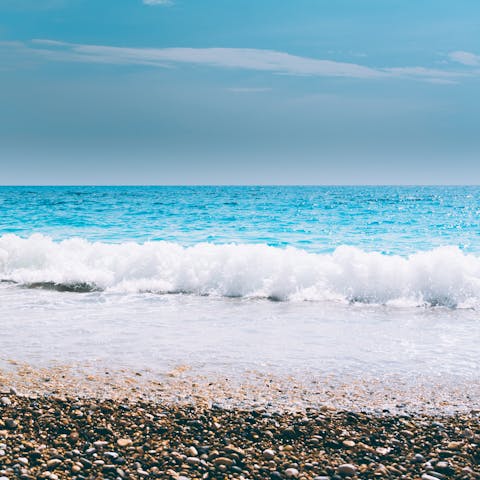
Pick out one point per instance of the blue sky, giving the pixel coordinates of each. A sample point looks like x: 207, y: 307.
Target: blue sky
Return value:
x: 239, y: 92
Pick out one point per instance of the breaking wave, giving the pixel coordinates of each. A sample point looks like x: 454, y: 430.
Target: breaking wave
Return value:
x: 444, y: 276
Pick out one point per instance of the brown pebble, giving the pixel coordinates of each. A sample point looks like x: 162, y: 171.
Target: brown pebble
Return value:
x: 228, y: 462
x: 124, y: 442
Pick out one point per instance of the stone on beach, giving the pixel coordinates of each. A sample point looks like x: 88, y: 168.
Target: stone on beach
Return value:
x: 192, y: 452
x: 291, y: 473
x: 347, y: 470
x: 269, y: 454
x: 124, y: 442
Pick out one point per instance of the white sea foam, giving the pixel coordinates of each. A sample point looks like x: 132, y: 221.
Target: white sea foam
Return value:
x: 444, y: 276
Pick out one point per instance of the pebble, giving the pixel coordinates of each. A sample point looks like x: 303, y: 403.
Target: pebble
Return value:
x: 124, y: 442
x: 193, y: 461
x: 454, y: 445
x: 11, y: 424
x: 192, y: 452
x: 291, y: 473
x: 112, y: 455
x: 228, y: 462
x: 5, y: 401
x: 268, y: 454
x: 426, y: 476
x: 383, y: 450
x: 347, y: 470
x: 100, y: 444
x: 54, y: 463
x: 85, y: 462
x: 442, y: 465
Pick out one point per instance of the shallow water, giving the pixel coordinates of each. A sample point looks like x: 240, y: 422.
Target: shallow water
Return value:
x: 147, y: 331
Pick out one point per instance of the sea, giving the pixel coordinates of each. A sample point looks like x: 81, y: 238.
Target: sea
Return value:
x: 357, y: 282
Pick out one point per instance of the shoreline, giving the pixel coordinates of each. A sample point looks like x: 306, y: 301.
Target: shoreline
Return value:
x: 187, y: 385
x: 80, y: 438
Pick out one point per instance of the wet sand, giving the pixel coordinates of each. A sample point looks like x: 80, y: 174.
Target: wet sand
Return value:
x: 186, y: 385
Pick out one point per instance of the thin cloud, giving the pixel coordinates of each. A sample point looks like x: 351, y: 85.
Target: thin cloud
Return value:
x: 465, y: 58
x: 430, y: 75
x: 231, y: 58
x: 157, y: 2
x: 237, y: 58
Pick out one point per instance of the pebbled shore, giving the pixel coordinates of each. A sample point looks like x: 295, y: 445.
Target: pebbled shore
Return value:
x: 88, y: 438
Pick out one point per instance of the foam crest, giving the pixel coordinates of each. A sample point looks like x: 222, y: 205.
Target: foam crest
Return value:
x: 444, y: 276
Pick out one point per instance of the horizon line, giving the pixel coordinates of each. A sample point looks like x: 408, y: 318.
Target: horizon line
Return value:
x: 141, y: 185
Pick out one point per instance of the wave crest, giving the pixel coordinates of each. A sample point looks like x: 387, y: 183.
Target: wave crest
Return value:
x: 444, y: 276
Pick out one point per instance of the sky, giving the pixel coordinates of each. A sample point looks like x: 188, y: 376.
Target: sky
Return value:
x: 239, y: 92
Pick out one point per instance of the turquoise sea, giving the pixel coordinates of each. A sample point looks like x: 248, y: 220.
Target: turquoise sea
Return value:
x: 389, y: 220
x: 377, y: 280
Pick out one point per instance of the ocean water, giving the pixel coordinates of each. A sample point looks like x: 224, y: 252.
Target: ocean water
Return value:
x: 287, y: 279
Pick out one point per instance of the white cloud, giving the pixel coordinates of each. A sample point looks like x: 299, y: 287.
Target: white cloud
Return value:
x: 431, y: 75
x: 465, y: 58
x: 235, y: 58
x: 423, y: 72
x: 231, y: 58
x: 157, y: 2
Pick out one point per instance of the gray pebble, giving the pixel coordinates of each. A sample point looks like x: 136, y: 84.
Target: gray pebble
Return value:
x: 347, y: 470
x: 100, y: 444
x: 426, y: 476
x: 419, y: 458
x: 436, y: 474
x: 113, y: 455
x: 11, y: 424
x: 269, y: 454
x: 291, y: 473
x: 442, y: 465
